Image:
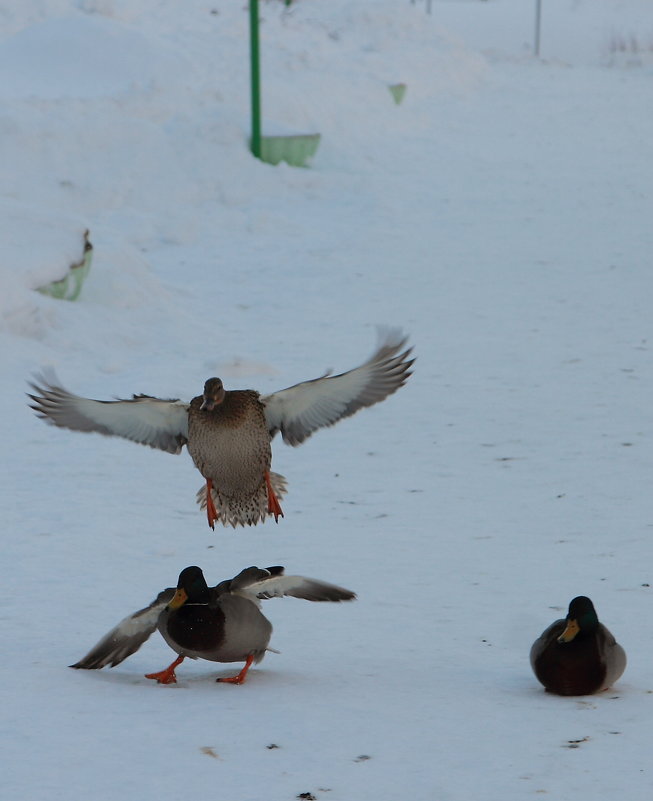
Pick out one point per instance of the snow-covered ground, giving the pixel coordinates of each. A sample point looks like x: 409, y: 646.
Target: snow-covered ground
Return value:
x: 502, y: 215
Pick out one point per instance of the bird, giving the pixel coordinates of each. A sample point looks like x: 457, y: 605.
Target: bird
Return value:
x: 228, y: 433
x: 577, y: 655
x: 220, y: 624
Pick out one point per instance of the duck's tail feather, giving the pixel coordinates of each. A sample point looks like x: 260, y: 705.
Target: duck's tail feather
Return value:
x: 244, y: 510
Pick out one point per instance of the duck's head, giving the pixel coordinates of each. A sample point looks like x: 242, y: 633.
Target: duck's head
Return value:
x: 213, y: 394
x: 191, y: 588
x: 581, y: 617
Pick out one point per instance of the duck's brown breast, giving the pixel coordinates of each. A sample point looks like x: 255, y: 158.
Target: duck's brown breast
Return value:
x: 231, y: 443
x: 573, y: 668
x: 194, y: 629
x: 228, y: 631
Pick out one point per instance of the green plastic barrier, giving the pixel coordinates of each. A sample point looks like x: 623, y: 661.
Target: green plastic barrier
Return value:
x: 69, y: 287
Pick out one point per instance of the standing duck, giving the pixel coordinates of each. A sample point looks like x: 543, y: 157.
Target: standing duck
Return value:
x: 228, y: 432
x: 577, y: 655
x: 220, y: 624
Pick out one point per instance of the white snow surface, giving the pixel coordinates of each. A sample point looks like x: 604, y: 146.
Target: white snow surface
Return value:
x: 502, y: 215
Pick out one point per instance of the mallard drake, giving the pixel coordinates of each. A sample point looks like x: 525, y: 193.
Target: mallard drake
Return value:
x: 221, y: 624
x: 228, y: 432
x: 577, y: 655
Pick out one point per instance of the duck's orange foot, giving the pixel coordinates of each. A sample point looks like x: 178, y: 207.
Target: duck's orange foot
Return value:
x: 211, y: 511
x: 163, y: 676
x: 274, y: 507
x: 240, y: 678
x: 166, y: 676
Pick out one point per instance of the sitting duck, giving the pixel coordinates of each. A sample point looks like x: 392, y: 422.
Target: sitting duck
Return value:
x: 577, y: 655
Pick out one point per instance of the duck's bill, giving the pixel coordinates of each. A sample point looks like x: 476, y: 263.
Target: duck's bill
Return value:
x: 179, y: 599
x: 570, y: 631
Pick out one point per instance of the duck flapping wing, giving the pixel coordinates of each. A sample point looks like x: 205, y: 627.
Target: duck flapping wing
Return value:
x: 260, y: 584
x: 159, y: 423
x: 127, y: 637
x: 303, y: 408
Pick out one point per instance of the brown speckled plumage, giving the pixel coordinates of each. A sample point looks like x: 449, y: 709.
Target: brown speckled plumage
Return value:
x: 230, y: 444
x: 228, y: 432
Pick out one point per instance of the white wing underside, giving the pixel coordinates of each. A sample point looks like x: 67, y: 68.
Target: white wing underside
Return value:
x: 161, y: 424
x: 128, y: 636
x: 296, y: 586
x: 303, y: 408
x: 296, y: 412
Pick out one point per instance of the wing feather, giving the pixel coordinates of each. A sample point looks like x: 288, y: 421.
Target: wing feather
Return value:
x: 161, y: 424
x: 304, y: 408
x: 127, y: 637
x: 276, y: 585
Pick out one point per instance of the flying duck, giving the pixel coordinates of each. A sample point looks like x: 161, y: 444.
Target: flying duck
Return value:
x: 228, y: 432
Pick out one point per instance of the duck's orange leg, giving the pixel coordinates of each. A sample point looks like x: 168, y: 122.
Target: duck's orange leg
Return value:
x: 211, y: 512
x: 274, y: 507
x: 240, y: 678
x: 166, y: 676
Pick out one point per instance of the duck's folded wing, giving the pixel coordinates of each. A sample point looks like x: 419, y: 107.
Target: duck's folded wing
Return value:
x: 301, y: 409
x: 161, y: 424
x: 127, y: 637
x: 276, y: 585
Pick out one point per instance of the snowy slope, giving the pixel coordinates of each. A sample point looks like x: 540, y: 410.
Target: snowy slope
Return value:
x: 501, y: 215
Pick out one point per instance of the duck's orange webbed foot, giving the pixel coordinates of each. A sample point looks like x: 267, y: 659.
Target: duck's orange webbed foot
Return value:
x: 274, y: 507
x: 240, y: 678
x: 211, y: 511
x: 166, y: 676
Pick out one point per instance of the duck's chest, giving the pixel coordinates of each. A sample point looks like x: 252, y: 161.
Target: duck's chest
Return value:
x: 233, y: 432
x: 227, y: 632
x: 194, y: 629
x: 573, y: 668
x: 583, y: 669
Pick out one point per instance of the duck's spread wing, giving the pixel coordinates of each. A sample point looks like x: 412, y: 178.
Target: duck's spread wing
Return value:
x: 300, y: 410
x: 276, y: 585
x: 127, y: 637
x: 161, y: 424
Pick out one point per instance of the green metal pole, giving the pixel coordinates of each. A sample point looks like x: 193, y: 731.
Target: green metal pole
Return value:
x: 255, y: 78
